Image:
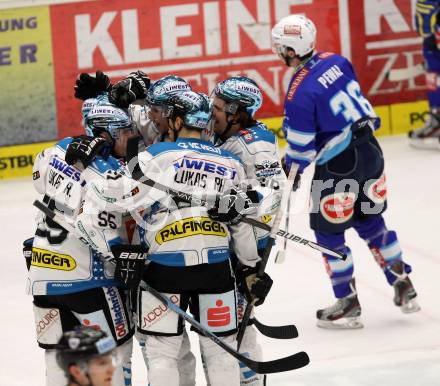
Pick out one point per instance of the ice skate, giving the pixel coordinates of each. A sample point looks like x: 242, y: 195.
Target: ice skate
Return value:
x: 428, y: 136
x: 344, y: 314
x: 404, y: 292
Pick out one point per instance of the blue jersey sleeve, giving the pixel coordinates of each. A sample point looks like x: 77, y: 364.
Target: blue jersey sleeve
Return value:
x: 300, y: 132
x: 426, y: 17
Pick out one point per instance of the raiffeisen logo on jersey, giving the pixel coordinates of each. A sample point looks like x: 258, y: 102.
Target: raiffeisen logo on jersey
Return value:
x: 205, y: 166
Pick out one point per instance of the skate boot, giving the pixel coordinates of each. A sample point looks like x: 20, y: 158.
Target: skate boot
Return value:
x: 404, y: 292
x: 428, y: 136
x: 344, y: 314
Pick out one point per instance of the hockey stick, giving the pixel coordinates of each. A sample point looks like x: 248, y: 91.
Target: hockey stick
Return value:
x: 281, y: 254
x: 288, y: 331
x: 138, y: 175
x: 270, y: 243
x: 292, y: 362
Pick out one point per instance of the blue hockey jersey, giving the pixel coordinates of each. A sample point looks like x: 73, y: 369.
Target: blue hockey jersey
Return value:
x: 323, y: 100
x: 426, y: 17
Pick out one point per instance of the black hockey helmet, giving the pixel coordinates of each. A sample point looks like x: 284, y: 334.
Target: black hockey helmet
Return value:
x: 82, y: 344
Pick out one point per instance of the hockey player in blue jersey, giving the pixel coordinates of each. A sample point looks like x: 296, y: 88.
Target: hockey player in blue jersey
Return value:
x: 327, y: 119
x: 427, y: 25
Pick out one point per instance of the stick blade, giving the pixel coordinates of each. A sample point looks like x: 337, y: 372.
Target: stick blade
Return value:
x: 276, y: 332
x: 292, y: 362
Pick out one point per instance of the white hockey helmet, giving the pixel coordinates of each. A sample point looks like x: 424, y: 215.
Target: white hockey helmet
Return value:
x: 296, y: 32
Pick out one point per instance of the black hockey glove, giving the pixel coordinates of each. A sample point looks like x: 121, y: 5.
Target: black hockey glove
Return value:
x: 126, y: 91
x: 297, y: 182
x: 27, y: 251
x: 234, y: 204
x: 87, y: 86
x: 255, y: 288
x: 130, y: 262
x: 430, y: 44
x: 84, y: 148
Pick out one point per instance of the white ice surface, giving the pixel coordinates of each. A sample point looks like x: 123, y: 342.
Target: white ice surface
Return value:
x: 392, y: 350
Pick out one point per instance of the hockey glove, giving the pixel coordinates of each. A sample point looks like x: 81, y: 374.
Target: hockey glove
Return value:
x: 126, y: 91
x: 84, y: 148
x: 430, y: 44
x: 130, y: 262
x: 255, y: 288
x: 233, y: 205
x: 286, y: 168
x: 27, y: 251
x: 87, y: 86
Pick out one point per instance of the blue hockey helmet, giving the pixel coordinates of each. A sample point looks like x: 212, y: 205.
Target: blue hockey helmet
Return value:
x: 82, y: 344
x: 164, y: 88
x: 192, y: 106
x: 240, y: 91
x: 107, y: 117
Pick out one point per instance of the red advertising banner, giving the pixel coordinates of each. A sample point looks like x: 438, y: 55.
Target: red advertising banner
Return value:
x: 202, y: 41
x: 206, y: 41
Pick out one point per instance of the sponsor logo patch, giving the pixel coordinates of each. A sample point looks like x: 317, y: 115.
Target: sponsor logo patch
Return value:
x: 191, y: 226
x: 338, y: 208
x: 292, y: 30
x: 47, y: 259
x: 377, y: 191
x: 116, y: 311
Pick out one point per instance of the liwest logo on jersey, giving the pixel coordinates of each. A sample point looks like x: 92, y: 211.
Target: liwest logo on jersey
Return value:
x: 191, y: 226
x: 205, y: 166
x: 69, y: 171
x: 47, y: 259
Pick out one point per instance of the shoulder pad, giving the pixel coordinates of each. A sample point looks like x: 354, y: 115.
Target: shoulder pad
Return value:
x: 64, y: 143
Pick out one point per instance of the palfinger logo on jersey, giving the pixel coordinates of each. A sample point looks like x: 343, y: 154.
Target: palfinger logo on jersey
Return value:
x: 377, y: 190
x: 338, y: 208
x: 191, y: 226
x: 47, y: 259
x: 117, y: 311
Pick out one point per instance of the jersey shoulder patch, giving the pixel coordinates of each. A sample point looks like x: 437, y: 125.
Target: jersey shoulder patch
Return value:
x: 257, y: 133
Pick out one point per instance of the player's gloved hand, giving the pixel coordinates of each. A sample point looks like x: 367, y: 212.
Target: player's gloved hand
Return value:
x: 255, y: 287
x: 130, y: 262
x: 430, y: 44
x: 234, y: 204
x: 84, y: 148
x: 87, y: 86
x: 27, y: 251
x: 286, y: 167
x: 126, y: 91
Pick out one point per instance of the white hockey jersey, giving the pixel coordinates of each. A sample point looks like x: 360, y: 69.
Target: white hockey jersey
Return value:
x: 257, y: 148
x: 61, y: 263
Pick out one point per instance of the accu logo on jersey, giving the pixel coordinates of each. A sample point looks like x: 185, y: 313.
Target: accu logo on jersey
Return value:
x: 191, y: 226
x: 47, y: 259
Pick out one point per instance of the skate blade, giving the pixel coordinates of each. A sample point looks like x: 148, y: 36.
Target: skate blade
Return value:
x: 410, y: 307
x: 341, y: 324
x: 426, y: 143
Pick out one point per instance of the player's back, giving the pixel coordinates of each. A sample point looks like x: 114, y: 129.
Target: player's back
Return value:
x: 61, y: 263
x: 178, y: 234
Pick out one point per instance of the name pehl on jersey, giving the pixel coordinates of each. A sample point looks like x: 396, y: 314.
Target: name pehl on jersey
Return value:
x: 180, y: 235
x: 323, y: 100
x: 61, y: 263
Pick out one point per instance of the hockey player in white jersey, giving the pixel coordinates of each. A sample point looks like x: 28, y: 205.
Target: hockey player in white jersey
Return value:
x: 235, y: 101
x: 190, y: 253
x: 147, y: 112
x: 69, y: 282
